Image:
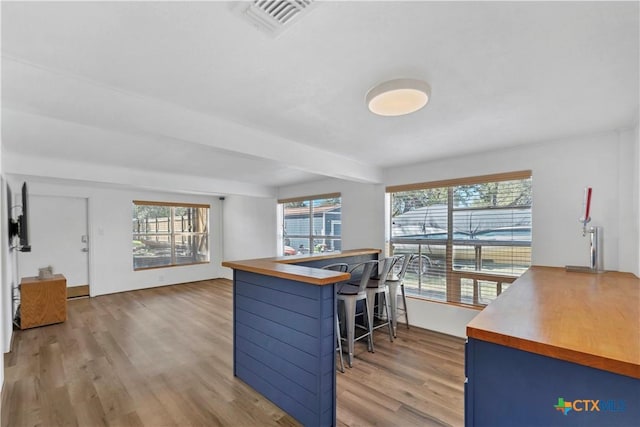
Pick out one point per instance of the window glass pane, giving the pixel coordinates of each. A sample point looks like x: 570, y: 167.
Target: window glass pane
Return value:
x: 495, y: 219
x: 192, y: 238
x: 151, y: 253
x: 296, y: 218
x: 420, y: 214
x: 151, y: 219
x: 512, y: 260
x: 313, y: 225
x: 425, y: 274
x: 192, y: 248
x: 464, y: 257
x: 480, y: 292
x: 472, y: 252
x: 169, y: 235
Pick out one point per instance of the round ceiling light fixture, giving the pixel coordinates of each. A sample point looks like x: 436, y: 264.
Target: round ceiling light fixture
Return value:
x: 398, y: 97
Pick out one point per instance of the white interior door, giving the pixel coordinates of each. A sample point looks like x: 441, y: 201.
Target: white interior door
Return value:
x: 58, y: 234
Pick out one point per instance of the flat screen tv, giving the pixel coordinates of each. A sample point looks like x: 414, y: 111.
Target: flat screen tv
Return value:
x: 20, y: 227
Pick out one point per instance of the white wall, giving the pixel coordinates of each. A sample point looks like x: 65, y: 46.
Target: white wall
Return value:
x: 111, y: 265
x: 629, y: 195
x: 561, y: 169
x: 5, y: 321
x: 249, y: 229
x: 635, y: 140
x: 9, y: 265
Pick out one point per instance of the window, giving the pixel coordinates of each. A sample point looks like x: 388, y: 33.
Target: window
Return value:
x: 169, y: 234
x: 310, y: 224
x: 471, y: 236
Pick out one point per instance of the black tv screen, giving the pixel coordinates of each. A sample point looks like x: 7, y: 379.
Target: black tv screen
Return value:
x: 23, y: 221
x: 20, y: 226
x: 13, y: 226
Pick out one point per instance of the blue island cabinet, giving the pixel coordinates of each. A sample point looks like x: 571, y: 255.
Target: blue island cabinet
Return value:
x: 284, y: 338
x: 510, y: 387
x: 284, y: 344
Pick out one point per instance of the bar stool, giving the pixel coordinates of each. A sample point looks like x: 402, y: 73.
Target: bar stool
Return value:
x: 379, y: 287
x: 395, y: 282
x: 342, y: 267
x: 350, y: 294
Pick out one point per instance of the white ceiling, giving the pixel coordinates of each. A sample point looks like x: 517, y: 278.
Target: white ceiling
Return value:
x: 191, y: 88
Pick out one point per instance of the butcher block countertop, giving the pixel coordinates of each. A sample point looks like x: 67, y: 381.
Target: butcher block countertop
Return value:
x: 583, y: 318
x: 284, y: 268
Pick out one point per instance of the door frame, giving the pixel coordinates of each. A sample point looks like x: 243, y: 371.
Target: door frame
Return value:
x: 81, y: 290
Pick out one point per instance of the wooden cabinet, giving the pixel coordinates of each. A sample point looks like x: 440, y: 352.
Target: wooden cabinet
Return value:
x: 557, y: 348
x: 43, y: 301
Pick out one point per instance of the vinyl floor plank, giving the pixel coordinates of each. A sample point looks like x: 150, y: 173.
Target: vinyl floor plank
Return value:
x: 164, y: 357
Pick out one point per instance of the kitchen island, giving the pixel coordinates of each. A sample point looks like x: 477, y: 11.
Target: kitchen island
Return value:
x: 556, y: 348
x: 284, y: 330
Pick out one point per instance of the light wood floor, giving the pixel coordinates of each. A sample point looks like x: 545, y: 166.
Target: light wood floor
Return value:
x: 163, y: 356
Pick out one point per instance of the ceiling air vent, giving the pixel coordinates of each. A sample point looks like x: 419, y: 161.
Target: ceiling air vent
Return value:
x: 273, y: 16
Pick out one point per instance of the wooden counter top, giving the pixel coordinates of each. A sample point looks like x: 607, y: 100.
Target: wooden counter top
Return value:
x: 281, y: 266
x: 588, y: 319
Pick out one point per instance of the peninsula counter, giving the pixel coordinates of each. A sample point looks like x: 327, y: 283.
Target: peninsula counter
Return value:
x: 284, y: 330
x: 556, y: 348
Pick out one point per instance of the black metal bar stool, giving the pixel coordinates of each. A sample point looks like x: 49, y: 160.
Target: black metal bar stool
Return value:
x: 340, y: 266
x: 380, y: 288
x: 350, y: 294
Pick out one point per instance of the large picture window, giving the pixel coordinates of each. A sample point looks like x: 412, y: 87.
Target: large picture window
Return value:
x: 310, y: 224
x: 169, y: 234
x: 470, y: 238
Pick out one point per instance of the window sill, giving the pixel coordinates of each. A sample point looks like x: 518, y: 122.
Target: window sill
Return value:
x: 170, y: 266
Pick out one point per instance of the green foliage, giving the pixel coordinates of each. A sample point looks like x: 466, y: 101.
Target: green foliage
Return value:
x: 182, y: 211
x: 494, y: 194
x: 408, y: 200
x: 141, y: 212
x: 515, y: 193
x: 329, y: 202
x: 300, y: 204
x: 335, y: 201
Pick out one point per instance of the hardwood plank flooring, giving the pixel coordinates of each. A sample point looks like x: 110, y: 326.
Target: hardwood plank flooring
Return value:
x: 163, y: 357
